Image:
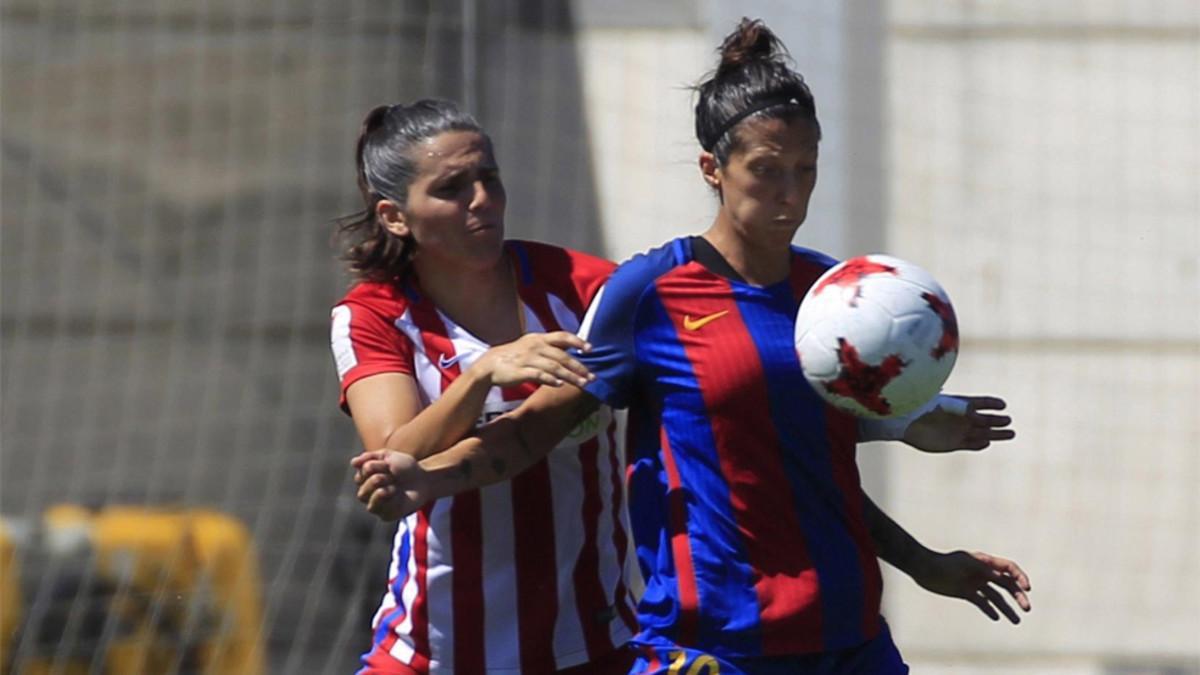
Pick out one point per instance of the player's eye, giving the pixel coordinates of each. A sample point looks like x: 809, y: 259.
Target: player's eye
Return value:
x: 765, y: 170
x: 450, y: 187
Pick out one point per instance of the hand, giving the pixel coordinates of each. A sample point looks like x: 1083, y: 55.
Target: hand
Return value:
x: 974, y: 577
x: 537, y: 357
x: 390, y: 483
x: 942, y: 430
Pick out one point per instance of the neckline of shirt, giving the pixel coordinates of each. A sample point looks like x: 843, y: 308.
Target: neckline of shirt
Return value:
x: 707, y: 256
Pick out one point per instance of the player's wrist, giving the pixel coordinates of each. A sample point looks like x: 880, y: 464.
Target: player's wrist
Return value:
x: 920, y: 563
x: 482, y: 373
x: 440, y: 481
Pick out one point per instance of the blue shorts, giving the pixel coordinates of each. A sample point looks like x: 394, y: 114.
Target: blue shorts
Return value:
x: 876, y: 657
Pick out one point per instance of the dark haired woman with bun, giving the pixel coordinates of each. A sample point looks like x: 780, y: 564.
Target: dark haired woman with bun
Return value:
x: 521, y: 576
x: 758, y: 546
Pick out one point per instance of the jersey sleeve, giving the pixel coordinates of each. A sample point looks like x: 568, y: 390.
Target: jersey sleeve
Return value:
x: 610, y: 326
x: 365, y: 342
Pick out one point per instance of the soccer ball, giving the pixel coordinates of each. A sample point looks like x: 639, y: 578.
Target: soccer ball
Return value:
x: 876, y: 336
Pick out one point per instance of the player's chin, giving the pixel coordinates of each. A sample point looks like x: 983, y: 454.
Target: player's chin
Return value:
x: 487, y: 239
x: 483, y: 246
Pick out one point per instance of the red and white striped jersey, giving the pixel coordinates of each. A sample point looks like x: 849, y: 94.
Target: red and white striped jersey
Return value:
x: 522, y: 576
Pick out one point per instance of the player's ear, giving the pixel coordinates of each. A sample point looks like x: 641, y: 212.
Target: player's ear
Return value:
x: 391, y: 216
x: 710, y: 169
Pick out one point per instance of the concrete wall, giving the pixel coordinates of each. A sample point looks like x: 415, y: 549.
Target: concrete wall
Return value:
x: 1044, y: 160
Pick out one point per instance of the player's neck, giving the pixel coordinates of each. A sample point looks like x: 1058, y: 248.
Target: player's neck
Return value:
x: 760, y: 263
x: 483, y: 301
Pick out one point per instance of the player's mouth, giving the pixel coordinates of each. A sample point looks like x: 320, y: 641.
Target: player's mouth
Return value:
x: 480, y: 227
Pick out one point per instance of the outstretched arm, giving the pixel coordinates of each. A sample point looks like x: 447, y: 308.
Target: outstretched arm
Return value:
x: 945, y: 424
x: 974, y: 577
x: 393, y: 484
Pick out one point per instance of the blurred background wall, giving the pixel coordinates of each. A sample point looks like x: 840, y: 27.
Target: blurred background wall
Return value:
x: 169, y: 171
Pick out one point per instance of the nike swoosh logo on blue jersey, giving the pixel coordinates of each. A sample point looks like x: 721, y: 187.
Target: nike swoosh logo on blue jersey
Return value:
x: 444, y: 362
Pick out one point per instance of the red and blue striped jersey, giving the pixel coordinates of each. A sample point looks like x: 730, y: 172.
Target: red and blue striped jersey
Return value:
x: 744, y: 494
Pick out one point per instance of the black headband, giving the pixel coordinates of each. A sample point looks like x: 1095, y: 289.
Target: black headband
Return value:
x: 761, y: 104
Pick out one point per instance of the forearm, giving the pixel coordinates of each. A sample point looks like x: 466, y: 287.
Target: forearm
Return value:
x: 447, y: 420
x: 509, y: 444
x: 892, y: 543
x: 496, y: 454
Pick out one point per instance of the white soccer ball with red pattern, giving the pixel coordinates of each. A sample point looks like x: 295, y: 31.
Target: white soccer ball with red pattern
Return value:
x: 876, y: 336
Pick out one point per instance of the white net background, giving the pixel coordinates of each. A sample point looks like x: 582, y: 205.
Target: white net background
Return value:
x: 169, y: 173
x: 170, y: 170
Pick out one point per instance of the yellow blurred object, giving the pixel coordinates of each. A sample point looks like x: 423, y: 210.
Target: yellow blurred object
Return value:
x: 10, y: 595
x: 181, y: 554
x: 180, y: 591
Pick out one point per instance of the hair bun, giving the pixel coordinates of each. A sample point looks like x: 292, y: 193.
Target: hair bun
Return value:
x: 750, y: 41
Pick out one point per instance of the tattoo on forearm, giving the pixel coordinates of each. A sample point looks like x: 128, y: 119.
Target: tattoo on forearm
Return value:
x: 499, y: 465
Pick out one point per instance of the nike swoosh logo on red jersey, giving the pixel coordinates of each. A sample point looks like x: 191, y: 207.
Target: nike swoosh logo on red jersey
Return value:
x: 445, y: 363
x: 696, y: 324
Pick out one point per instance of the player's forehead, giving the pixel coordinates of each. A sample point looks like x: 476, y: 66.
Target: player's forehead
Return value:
x: 775, y: 137
x: 452, y: 152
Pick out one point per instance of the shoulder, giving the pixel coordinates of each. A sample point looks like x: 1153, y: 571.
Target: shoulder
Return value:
x: 547, y: 260
x: 811, y: 258
x: 636, y: 278
x: 381, y: 298
x: 643, y: 269
x: 572, y: 276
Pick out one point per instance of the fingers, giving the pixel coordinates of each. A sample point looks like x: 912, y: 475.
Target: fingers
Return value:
x: 1014, y: 589
x: 361, y: 459
x: 563, y: 367
x: 970, y: 406
x: 364, y: 457
x: 980, y: 601
x: 372, y: 483
x: 981, y: 439
x: 379, y: 504
x: 986, y: 428
x: 566, y: 367
x: 544, y: 358
x: 1008, y: 575
x: 564, y: 341
x: 982, y: 419
x: 997, y: 601
x: 977, y: 403
x: 551, y: 375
